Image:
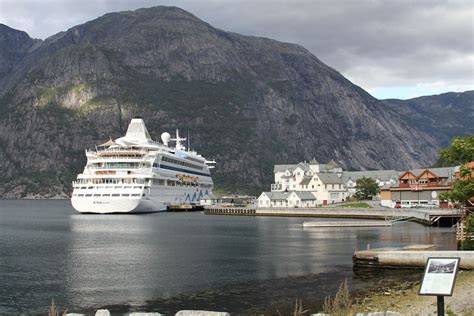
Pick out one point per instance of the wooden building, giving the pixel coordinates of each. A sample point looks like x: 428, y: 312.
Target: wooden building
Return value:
x: 419, y: 188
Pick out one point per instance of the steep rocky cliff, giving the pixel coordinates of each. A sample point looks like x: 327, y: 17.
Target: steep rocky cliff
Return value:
x: 248, y: 102
x: 14, y: 46
x: 443, y: 116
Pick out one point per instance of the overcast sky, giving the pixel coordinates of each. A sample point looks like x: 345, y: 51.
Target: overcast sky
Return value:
x: 393, y: 49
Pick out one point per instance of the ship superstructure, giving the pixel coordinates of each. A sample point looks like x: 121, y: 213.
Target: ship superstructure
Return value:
x: 135, y: 174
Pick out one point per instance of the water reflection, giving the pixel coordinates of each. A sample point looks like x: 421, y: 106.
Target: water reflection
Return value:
x: 112, y: 256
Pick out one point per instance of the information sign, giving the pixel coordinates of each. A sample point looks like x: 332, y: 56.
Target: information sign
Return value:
x: 439, y: 277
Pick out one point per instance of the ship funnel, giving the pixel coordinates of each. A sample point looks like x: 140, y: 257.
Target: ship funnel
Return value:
x: 137, y: 131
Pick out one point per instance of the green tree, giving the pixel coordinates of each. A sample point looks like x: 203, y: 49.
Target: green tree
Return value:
x: 461, y: 152
x: 366, y: 188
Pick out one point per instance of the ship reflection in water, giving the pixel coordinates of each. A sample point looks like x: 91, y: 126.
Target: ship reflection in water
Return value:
x: 170, y: 261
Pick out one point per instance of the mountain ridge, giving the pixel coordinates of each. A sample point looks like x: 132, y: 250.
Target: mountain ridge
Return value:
x: 249, y: 102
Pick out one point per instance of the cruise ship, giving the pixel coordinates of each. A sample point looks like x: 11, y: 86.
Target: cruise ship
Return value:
x: 134, y: 174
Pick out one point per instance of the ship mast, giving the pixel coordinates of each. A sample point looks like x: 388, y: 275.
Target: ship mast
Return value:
x: 178, y: 140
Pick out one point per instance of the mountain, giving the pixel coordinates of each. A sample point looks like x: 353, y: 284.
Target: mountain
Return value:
x: 443, y: 116
x: 14, y: 46
x: 248, y: 102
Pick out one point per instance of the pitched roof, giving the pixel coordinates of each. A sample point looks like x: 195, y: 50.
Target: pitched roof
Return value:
x: 329, y: 177
x: 383, y: 175
x: 306, y: 180
x: 305, y: 195
x: 332, y: 163
x: 277, y: 195
x: 446, y: 172
x: 282, y: 168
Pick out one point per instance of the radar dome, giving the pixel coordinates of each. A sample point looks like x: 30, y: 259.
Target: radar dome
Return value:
x: 165, y: 138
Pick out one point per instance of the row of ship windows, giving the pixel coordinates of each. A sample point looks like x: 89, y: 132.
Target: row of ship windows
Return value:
x: 110, y: 187
x: 106, y: 194
x: 121, y: 155
x: 178, y: 162
x: 195, y: 160
x: 172, y: 183
x: 120, y: 165
x: 111, y: 181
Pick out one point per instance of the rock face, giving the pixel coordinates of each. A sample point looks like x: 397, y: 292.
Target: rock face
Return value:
x: 248, y: 102
x: 443, y: 116
x: 14, y: 46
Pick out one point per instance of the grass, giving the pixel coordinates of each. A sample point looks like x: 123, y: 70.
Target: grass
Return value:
x: 298, y: 310
x: 341, y: 303
x: 54, y: 311
x: 47, y: 95
x: 357, y: 205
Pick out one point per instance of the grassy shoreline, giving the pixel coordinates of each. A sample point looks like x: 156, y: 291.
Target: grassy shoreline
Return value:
x: 406, y: 300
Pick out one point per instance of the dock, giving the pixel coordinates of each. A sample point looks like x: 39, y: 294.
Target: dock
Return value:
x: 336, y: 224
x: 432, y: 217
x: 185, y: 208
x: 236, y: 211
x: 414, y: 256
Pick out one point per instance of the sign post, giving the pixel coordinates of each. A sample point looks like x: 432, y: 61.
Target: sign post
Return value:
x: 438, y: 279
x: 440, y: 299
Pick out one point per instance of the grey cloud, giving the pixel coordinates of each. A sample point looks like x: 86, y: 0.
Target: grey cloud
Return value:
x: 374, y: 43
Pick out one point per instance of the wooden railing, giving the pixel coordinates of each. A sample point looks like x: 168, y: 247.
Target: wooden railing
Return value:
x: 461, y: 234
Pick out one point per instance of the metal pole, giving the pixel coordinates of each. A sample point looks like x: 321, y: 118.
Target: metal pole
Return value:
x: 440, y: 299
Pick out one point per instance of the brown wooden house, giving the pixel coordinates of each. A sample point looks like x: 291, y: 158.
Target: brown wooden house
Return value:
x: 422, y: 187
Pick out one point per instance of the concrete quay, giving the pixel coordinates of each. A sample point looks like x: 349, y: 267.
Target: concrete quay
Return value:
x: 239, y: 211
x: 335, y: 224
x: 396, y: 258
x: 424, y: 216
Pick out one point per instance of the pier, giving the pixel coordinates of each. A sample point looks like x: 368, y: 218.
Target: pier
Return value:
x: 431, y: 217
x: 336, y: 224
x: 239, y: 211
x: 414, y: 256
x: 185, y: 208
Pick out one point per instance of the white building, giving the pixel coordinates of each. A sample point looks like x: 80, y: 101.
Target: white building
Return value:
x: 286, y: 199
x: 323, y: 181
x: 382, y: 177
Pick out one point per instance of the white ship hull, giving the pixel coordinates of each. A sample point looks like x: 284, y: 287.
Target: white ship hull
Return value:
x: 116, y: 205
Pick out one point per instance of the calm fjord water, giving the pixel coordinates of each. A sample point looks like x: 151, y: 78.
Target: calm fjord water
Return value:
x: 170, y: 261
